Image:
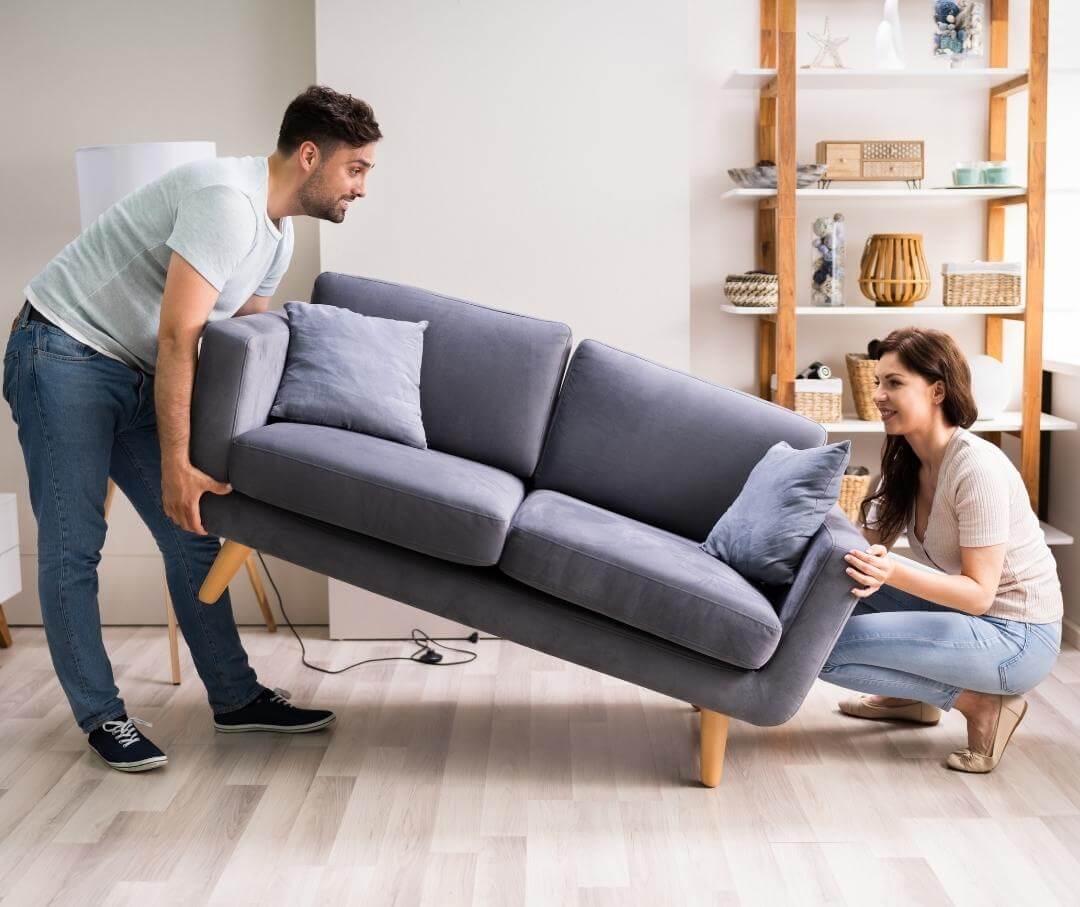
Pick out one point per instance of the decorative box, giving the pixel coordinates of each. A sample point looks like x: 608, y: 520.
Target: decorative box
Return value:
x: 876, y: 160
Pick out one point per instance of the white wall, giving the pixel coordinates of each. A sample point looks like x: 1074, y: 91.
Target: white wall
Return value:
x: 561, y: 159
x: 76, y: 74
x: 535, y: 158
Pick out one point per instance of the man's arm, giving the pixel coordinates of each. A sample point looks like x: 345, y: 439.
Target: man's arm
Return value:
x: 253, y: 306
x: 185, y: 308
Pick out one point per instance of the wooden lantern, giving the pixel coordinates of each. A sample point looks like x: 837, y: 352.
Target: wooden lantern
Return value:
x: 893, y: 269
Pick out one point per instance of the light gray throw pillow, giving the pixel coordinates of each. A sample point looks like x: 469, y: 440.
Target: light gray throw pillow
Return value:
x: 353, y: 371
x: 764, y: 533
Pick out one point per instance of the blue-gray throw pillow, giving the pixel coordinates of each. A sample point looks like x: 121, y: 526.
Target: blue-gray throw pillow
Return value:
x: 764, y: 533
x: 353, y: 371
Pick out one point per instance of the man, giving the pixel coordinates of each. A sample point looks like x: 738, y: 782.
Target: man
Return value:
x: 98, y: 373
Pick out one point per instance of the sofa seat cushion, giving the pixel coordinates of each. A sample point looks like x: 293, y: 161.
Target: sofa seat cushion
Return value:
x: 426, y: 500
x: 646, y: 577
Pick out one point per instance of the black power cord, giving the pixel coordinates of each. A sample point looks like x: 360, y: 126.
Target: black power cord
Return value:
x: 424, y: 653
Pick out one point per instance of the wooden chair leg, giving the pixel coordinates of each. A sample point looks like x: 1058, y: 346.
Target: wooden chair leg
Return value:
x: 230, y: 559
x: 714, y: 731
x: 5, y: 632
x: 109, y: 492
x: 260, y: 593
x: 174, y: 642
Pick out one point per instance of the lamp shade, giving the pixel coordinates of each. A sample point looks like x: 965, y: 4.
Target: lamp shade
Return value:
x: 107, y: 173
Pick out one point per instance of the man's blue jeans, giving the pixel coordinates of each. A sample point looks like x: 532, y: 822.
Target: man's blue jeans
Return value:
x: 83, y: 417
x: 897, y: 644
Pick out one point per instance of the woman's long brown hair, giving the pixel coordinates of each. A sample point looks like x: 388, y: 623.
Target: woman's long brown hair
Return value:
x: 935, y: 356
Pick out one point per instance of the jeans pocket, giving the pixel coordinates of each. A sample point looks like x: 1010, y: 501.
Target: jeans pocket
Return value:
x: 1048, y: 635
x: 57, y: 344
x: 1026, y: 668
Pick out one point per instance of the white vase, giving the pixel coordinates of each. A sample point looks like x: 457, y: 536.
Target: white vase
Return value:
x: 990, y: 386
x: 889, y: 40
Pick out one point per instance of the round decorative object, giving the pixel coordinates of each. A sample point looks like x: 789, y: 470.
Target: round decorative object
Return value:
x: 990, y: 385
x: 894, y: 271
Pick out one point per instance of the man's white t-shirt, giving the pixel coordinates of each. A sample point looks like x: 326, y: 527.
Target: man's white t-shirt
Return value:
x: 105, y: 286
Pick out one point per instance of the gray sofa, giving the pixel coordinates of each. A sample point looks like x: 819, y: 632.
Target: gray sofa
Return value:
x: 563, y: 512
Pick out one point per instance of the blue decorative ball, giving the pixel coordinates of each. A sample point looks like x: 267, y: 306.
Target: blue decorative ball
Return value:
x: 945, y: 8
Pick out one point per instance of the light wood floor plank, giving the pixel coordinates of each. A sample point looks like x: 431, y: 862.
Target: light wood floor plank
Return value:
x: 517, y: 780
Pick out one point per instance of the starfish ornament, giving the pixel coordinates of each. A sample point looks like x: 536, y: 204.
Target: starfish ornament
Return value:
x: 827, y: 46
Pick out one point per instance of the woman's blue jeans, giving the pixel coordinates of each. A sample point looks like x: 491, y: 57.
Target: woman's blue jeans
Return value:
x: 897, y: 644
x: 83, y: 417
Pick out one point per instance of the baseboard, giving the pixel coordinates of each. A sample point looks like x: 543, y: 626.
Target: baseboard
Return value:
x: 1070, y: 632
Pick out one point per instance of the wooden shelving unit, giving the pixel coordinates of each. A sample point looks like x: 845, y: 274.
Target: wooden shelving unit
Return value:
x: 778, y: 81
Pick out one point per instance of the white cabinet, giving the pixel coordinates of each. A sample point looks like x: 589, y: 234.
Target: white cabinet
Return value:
x: 10, y: 575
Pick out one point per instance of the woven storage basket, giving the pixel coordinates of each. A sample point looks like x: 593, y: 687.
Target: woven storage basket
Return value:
x: 853, y: 490
x: 817, y: 398
x: 861, y: 375
x: 981, y: 283
x: 752, y: 290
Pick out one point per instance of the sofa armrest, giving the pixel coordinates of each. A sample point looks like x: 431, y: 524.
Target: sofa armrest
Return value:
x: 813, y: 615
x: 240, y: 366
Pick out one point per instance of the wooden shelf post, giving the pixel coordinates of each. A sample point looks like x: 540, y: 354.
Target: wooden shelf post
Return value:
x: 786, y: 233
x: 1030, y: 437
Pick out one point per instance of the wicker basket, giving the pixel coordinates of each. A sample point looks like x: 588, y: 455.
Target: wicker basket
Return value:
x: 981, y: 283
x: 861, y: 375
x: 853, y: 491
x: 817, y: 398
x: 752, y: 289
x: 821, y: 407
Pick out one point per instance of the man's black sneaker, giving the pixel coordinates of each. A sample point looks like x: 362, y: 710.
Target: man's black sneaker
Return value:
x: 121, y: 746
x: 272, y: 711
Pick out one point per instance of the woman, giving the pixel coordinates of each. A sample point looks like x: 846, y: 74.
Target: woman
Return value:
x: 988, y: 627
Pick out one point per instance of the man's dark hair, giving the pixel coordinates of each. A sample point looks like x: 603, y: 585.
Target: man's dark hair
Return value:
x: 329, y: 119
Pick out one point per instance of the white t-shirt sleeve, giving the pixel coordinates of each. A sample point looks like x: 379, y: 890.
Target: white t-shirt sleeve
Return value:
x: 214, y: 230
x: 982, y: 503
x: 280, y: 264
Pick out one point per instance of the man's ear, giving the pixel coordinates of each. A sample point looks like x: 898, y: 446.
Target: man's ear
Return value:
x: 309, y: 154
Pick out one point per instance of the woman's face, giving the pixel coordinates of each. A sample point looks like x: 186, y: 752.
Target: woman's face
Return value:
x: 907, y: 401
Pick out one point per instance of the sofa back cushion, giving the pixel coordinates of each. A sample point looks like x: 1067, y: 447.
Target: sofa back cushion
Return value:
x: 656, y: 444
x: 489, y: 378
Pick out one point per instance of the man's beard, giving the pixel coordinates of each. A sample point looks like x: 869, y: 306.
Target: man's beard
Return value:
x: 315, y: 200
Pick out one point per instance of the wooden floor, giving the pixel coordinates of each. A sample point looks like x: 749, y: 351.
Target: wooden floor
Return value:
x: 517, y: 780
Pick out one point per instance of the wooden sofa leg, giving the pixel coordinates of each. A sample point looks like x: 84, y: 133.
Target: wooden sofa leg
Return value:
x: 714, y: 730
x: 230, y: 558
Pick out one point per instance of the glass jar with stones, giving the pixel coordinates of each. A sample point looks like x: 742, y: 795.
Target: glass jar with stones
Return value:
x: 827, y: 268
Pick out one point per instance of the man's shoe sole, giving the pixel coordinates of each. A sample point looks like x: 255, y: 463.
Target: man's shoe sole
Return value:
x: 281, y: 729
x: 144, y: 766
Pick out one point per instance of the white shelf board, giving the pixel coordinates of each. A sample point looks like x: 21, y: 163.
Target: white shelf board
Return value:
x: 1062, y: 367
x: 935, y: 194
x: 1009, y: 421
x: 1053, y: 537
x: 906, y: 311
x: 879, y: 79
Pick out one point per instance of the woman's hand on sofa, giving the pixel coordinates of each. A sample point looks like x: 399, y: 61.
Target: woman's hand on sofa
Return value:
x: 872, y: 568
x: 182, y: 486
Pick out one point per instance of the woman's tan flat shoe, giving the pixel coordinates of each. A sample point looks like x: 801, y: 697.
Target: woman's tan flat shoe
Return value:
x: 1011, y: 711
x: 918, y: 712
